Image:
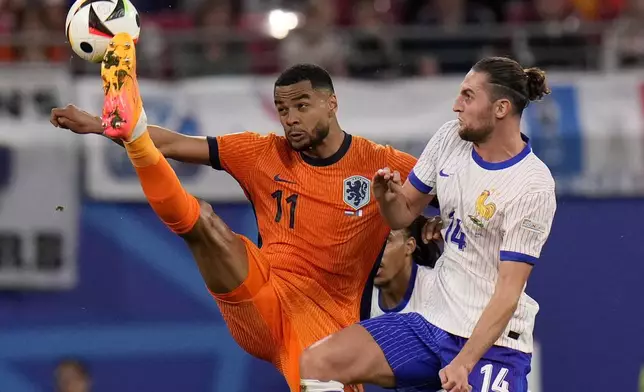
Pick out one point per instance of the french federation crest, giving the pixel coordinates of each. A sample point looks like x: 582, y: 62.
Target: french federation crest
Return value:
x: 484, y: 210
x: 357, y: 192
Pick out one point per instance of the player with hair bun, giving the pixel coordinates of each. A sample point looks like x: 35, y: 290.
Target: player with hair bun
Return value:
x: 498, y: 203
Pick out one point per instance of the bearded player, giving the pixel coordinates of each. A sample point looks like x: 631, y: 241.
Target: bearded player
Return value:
x: 498, y: 204
x: 320, y: 229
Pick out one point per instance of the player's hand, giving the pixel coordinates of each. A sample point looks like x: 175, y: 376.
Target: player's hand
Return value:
x: 432, y: 229
x: 386, y: 184
x: 454, y: 378
x: 76, y: 120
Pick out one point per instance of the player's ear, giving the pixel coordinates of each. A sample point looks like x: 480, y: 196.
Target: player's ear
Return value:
x: 333, y: 103
x: 410, y: 246
x: 502, y: 108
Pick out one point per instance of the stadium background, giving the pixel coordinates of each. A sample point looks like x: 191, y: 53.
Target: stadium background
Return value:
x: 88, y: 272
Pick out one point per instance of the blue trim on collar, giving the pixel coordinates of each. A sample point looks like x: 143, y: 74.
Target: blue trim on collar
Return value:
x: 410, y: 289
x: 505, y: 164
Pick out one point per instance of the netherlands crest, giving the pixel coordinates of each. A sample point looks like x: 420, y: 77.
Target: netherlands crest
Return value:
x: 357, y: 192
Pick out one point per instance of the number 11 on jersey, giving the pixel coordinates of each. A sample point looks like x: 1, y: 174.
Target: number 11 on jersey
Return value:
x: 291, y: 201
x: 458, y: 237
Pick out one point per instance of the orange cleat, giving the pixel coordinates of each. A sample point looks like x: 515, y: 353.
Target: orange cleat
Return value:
x: 123, y: 116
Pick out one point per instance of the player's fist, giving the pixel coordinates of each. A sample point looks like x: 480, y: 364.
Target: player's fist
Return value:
x: 386, y: 184
x: 432, y: 229
x: 76, y: 120
x: 454, y: 378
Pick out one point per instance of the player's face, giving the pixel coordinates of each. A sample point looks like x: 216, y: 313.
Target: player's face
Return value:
x: 474, y: 108
x: 396, y: 257
x: 305, y: 114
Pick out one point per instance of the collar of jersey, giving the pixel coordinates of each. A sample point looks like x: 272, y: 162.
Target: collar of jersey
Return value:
x: 507, y: 163
x: 346, y: 143
x: 410, y: 289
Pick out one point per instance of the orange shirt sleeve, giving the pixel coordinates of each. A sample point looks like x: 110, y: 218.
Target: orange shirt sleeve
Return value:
x: 399, y: 161
x: 238, y: 153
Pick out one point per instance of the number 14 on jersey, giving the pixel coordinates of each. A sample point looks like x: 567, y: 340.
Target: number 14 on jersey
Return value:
x: 457, y: 236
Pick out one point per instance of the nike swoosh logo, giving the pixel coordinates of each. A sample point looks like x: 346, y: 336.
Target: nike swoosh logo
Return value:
x: 278, y: 179
x: 443, y: 174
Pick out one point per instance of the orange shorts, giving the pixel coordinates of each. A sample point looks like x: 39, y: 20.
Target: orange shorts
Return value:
x: 256, y: 315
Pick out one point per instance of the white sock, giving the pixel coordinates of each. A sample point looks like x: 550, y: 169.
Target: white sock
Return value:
x: 140, y: 127
x: 321, y: 386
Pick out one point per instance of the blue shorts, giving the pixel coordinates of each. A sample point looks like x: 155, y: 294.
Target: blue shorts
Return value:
x: 417, y: 350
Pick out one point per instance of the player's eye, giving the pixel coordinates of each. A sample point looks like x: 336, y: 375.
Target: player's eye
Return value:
x: 302, y: 106
x: 282, y: 111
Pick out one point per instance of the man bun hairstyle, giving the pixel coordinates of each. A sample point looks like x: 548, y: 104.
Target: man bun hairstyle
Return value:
x: 537, y: 86
x: 510, y: 81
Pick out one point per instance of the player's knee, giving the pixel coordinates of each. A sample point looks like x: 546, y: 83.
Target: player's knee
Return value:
x: 312, y: 365
x: 318, y: 362
x: 211, y: 229
x: 218, y: 251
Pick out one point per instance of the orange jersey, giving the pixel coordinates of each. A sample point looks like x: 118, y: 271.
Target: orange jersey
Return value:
x: 319, y: 224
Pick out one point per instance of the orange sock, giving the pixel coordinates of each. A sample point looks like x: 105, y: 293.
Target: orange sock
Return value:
x: 178, y: 209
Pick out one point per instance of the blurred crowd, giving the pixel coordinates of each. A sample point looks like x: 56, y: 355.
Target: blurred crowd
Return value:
x: 357, y: 38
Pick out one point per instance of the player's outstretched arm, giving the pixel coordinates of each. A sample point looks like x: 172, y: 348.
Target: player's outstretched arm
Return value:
x: 172, y: 145
x: 182, y: 148
x: 399, y: 204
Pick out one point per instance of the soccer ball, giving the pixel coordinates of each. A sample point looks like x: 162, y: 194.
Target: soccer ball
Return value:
x: 91, y: 24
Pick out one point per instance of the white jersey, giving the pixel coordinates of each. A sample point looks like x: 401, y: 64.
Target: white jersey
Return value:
x: 415, y: 299
x: 491, y: 212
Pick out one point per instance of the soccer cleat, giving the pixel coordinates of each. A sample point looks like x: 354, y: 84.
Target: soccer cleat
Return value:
x: 123, y: 115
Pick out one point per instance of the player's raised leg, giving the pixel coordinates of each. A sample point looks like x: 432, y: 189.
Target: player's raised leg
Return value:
x: 394, y: 350
x: 231, y: 265
x: 220, y: 254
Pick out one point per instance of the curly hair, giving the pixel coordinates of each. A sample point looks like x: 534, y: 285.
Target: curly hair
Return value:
x: 425, y: 254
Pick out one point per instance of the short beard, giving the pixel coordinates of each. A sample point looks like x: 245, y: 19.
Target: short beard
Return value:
x: 478, y: 135
x: 320, y: 132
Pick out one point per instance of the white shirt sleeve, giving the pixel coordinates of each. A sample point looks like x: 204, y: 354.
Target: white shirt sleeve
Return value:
x: 423, y: 176
x: 526, y: 226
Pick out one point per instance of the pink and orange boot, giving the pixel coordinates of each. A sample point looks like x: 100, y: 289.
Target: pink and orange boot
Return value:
x: 123, y: 115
